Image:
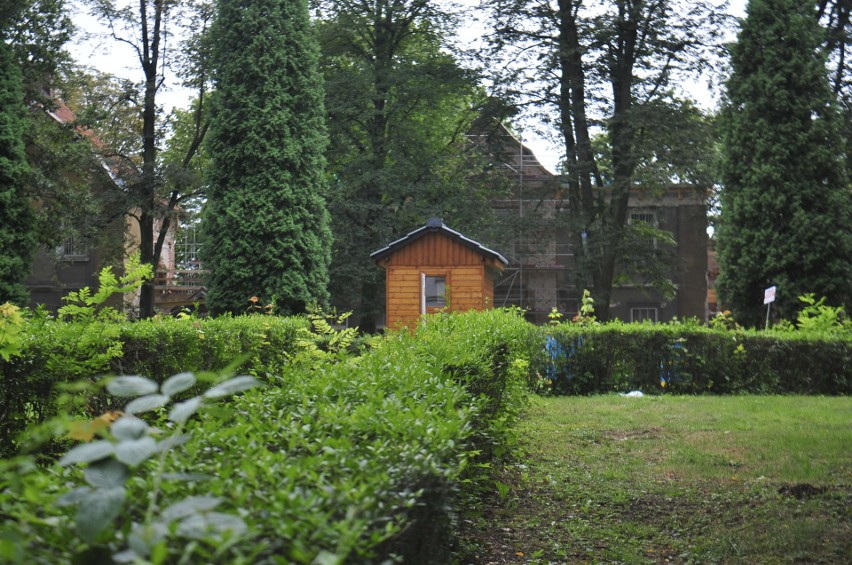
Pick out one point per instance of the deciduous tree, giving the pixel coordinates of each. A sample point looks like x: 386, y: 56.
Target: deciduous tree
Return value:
x: 399, y: 106
x: 149, y: 29
x: 599, y: 66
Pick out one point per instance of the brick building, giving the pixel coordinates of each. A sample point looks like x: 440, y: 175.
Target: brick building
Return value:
x: 539, y: 274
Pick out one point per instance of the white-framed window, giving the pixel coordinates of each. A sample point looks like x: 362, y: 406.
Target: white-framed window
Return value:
x: 648, y: 218
x: 644, y: 313
x: 74, y: 247
x: 188, y: 246
x: 433, y: 291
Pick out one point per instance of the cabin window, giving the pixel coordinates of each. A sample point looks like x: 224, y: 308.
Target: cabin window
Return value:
x: 433, y: 292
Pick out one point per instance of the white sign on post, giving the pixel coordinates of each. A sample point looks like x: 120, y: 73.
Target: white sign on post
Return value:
x: 769, y: 295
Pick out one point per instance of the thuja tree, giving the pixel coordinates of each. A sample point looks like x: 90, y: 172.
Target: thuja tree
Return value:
x: 786, y: 210
x: 17, y: 222
x: 266, y: 224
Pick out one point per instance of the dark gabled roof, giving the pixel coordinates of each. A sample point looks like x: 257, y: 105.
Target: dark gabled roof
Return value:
x: 435, y: 225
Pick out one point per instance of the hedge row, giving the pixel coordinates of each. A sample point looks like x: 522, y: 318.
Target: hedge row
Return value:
x: 690, y: 359
x: 337, y: 459
x: 55, y: 353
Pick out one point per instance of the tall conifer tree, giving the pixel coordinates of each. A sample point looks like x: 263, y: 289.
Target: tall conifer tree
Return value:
x: 786, y: 209
x: 17, y: 221
x: 266, y: 223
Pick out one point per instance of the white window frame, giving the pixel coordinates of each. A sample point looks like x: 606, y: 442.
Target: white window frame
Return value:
x: 634, y: 310
x: 188, y: 246
x: 423, y: 284
x: 73, y: 248
x: 645, y: 217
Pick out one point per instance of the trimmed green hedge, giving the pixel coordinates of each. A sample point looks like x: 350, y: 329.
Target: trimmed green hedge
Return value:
x: 338, y: 459
x: 358, y: 458
x: 332, y: 463
x: 690, y: 359
x: 489, y: 354
x: 56, y: 352
x: 161, y: 348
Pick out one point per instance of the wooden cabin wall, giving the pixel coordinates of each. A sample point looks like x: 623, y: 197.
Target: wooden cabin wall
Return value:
x: 469, y: 286
x: 403, y: 296
x: 435, y: 250
x: 465, y: 292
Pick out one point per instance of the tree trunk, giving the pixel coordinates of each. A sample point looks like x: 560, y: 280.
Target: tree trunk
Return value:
x: 580, y: 160
x: 621, y: 135
x: 147, y: 189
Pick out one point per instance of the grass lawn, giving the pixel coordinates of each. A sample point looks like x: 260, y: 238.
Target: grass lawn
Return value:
x: 737, y: 479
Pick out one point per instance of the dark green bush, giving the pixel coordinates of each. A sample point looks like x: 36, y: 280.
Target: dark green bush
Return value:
x: 690, y: 359
x: 55, y: 353
x: 339, y: 458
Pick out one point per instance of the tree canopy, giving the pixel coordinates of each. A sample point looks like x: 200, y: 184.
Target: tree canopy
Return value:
x: 399, y: 108
x: 17, y: 224
x: 148, y: 29
x: 591, y: 66
x: 607, y: 76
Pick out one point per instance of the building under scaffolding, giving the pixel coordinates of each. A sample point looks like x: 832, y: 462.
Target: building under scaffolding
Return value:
x: 541, y: 273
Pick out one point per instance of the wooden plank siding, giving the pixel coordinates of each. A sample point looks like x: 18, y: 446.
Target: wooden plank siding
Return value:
x: 435, y: 250
x: 469, y: 277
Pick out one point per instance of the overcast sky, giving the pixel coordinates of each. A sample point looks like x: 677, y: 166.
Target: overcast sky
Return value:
x: 119, y: 59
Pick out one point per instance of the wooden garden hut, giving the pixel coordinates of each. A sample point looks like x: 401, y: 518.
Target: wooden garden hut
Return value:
x: 435, y: 268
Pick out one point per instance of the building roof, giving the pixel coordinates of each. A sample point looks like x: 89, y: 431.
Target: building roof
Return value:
x: 507, y: 150
x: 435, y: 225
x: 62, y: 114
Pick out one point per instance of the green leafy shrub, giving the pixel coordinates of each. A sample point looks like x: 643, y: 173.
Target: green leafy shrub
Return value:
x: 334, y: 462
x: 486, y: 353
x: 54, y: 353
x: 161, y: 347
x: 817, y: 316
x: 686, y: 358
x: 121, y: 514
x: 11, y: 326
x: 340, y: 458
x: 84, y: 306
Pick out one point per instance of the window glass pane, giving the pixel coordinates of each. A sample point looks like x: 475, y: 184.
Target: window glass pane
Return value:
x: 73, y: 246
x: 436, y: 289
x: 645, y: 218
x: 642, y: 314
x: 642, y: 217
x: 188, y: 246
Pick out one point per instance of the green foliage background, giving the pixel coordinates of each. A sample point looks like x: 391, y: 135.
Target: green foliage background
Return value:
x: 400, y: 106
